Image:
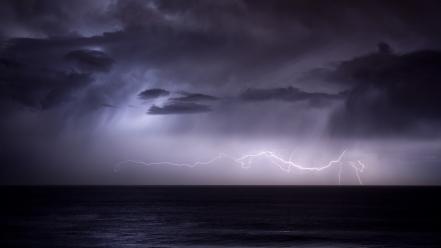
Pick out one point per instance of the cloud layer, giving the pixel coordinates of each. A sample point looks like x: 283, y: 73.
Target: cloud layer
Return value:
x: 129, y: 72
x: 390, y: 93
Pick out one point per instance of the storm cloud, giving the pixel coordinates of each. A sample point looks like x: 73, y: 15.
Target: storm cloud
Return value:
x: 132, y: 76
x: 153, y: 93
x: 289, y: 94
x: 90, y: 59
x: 38, y: 86
x: 390, y: 93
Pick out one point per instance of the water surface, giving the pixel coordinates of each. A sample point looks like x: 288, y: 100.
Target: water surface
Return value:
x: 220, y: 216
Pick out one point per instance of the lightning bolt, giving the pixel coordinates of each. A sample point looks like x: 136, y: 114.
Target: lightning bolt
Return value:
x: 246, y: 161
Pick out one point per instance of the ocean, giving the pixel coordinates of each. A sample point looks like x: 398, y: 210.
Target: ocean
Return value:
x: 220, y: 216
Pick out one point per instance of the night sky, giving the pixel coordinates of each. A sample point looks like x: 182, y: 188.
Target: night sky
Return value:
x: 87, y: 84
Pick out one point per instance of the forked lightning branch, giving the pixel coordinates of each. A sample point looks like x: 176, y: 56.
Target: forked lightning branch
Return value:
x: 246, y: 162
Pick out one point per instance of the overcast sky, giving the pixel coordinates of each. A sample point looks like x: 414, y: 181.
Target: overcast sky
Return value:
x: 87, y: 84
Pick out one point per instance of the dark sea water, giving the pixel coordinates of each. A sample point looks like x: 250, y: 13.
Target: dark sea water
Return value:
x: 220, y: 217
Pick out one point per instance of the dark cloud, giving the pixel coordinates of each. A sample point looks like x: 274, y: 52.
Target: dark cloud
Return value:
x: 38, y: 87
x: 194, y: 97
x: 35, y: 72
x: 54, y: 18
x: 289, y: 94
x: 91, y: 60
x: 391, y: 93
x: 179, y: 108
x: 153, y: 93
